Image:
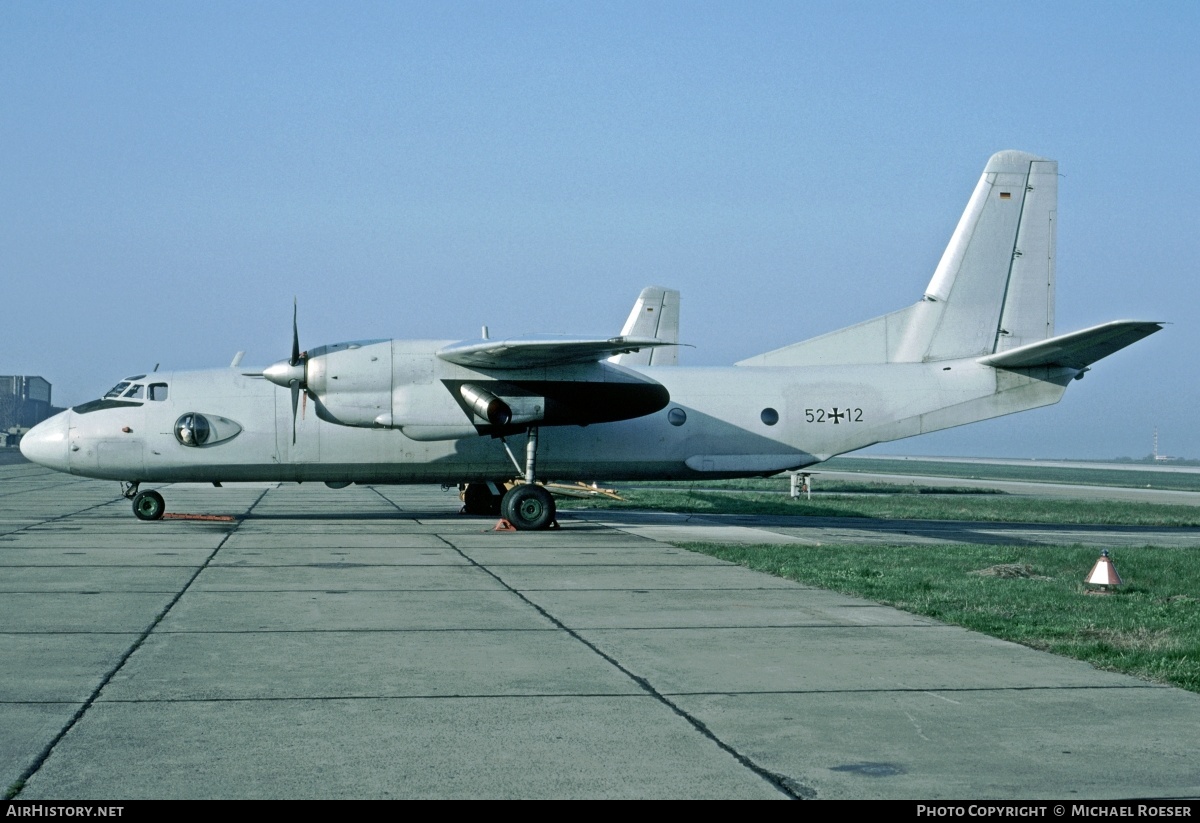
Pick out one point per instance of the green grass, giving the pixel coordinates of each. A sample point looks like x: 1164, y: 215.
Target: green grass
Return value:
x: 1149, y: 627
x: 1120, y: 478
x: 901, y: 506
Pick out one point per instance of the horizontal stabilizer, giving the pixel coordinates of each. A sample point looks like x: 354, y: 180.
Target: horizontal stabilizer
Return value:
x: 1076, y: 350
x: 535, y: 352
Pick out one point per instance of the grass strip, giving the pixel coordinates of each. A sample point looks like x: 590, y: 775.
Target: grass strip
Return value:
x: 1150, y: 627
x: 1076, y: 476
x: 928, y: 506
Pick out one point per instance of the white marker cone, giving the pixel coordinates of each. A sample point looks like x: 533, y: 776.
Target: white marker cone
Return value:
x: 1104, y: 573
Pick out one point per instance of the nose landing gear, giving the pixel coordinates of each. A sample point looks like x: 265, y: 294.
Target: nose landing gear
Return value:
x: 149, y: 506
x: 146, y: 505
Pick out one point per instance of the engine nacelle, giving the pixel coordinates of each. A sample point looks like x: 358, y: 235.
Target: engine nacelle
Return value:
x: 352, y: 382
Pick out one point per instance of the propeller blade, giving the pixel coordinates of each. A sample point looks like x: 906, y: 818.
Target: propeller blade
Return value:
x: 295, y: 386
x: 295, y: 338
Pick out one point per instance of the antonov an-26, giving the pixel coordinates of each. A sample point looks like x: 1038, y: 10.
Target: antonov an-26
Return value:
x: 979, y: 344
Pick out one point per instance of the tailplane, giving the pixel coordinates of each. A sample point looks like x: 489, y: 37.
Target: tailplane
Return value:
x: 1077, y: 350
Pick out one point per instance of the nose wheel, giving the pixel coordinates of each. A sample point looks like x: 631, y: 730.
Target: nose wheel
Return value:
x: 149, y: 506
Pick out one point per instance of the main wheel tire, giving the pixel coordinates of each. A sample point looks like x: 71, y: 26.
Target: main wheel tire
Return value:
x: 529, y: 508
x: 149, y: 506
x: 478, y: 499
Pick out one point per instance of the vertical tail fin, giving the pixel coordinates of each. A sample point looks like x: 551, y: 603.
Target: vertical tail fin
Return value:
x: 992, y: 291
x: 994, y: 286
x: 655, y: 314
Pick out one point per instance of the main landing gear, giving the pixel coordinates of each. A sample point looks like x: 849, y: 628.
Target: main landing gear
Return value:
x: 482, y: 498
x: 527, y: 506
x: 146, y: 505
x: 524, y: 506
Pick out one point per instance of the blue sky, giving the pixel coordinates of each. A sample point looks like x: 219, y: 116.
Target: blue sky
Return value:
x: 173, y: 173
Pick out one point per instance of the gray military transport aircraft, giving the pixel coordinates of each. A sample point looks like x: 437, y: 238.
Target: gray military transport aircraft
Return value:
x: 979, y: 344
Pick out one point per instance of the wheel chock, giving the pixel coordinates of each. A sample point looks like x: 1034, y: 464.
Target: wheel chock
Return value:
x: 503, y: 525
x: 554, y: 525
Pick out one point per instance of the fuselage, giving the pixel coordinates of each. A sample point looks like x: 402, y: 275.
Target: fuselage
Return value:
x: 719, y: 422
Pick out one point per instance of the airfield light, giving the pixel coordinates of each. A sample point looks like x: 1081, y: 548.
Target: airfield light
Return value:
x: 1103, y: 574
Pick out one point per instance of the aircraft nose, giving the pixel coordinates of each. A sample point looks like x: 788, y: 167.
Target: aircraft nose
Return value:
x: 46, y: 443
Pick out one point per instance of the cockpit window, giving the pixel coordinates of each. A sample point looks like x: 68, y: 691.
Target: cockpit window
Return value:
x: 135, y: 392
x: 116, y: 390
x: 158, y: 391
x: 106, y: 403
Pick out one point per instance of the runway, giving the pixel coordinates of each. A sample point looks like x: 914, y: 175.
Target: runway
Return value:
x: 371, y: 642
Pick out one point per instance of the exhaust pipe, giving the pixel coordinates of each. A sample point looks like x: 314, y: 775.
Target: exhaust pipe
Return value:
x: 487, y: 405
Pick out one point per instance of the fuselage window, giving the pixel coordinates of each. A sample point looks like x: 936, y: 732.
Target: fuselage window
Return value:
x: 192, y: 429
x: 769, y: 416
x: 135, y: 393
x: 116, y: 390
x: 158, y: 391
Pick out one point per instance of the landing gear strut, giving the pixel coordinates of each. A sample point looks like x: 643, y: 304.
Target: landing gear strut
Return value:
x: 528, y: 507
